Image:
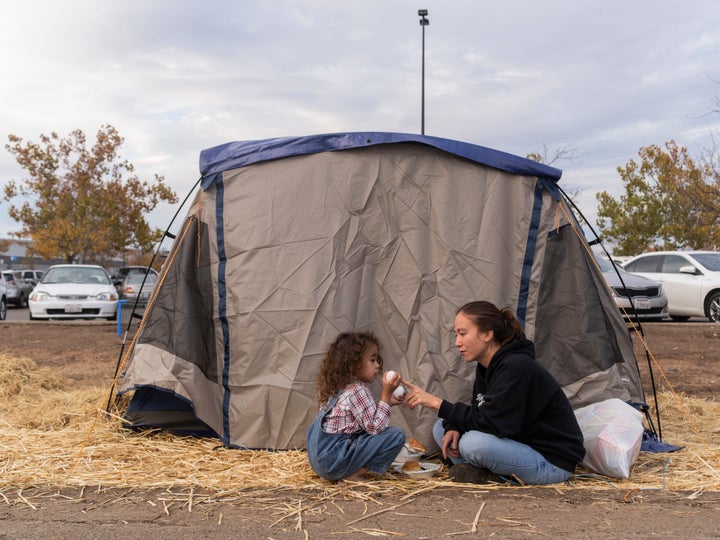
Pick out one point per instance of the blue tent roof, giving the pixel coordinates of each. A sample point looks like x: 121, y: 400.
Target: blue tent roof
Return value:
x: 238, y: 154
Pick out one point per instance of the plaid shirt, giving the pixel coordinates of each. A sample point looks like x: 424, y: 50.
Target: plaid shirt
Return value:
x: 355, y: 411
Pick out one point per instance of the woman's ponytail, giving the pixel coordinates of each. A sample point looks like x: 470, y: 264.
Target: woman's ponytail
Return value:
x: 487, y: 316
x: 514, y: 329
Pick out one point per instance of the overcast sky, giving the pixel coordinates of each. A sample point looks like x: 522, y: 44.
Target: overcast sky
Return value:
x: 175, y: 77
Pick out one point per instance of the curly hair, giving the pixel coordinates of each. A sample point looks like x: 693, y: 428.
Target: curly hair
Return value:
x: 342, y: 362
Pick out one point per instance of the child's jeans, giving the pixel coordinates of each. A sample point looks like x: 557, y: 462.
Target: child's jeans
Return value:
x: 335, y: 456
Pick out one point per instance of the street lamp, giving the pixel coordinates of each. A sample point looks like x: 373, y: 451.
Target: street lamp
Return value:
x: 424, y: 21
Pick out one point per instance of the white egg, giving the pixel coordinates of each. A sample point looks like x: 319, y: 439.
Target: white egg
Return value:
x: 399, y: 392
x: 389, y: 375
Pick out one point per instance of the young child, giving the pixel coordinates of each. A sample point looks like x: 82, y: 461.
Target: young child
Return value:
x: 350, y: 435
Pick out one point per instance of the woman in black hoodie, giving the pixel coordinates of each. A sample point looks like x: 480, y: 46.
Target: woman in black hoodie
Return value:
x: 520, y: 423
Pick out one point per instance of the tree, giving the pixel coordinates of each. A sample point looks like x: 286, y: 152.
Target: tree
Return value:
x: 710, y: 158
x: 82, y: 203
x: 664, y: 205
x: 550, y: 156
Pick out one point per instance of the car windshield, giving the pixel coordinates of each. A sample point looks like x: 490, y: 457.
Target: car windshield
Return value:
x: 76, y: 275
x: 138, y: 279
x: 606, y: 266
x: 132, y: 271
x: 711, y: 261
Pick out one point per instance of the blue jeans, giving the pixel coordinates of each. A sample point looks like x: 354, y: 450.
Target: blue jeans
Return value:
x: 335, y: 456
x: 505, y: 457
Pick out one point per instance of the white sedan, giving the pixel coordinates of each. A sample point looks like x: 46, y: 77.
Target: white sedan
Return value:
x: 691, y: 280
x: 74, y: 291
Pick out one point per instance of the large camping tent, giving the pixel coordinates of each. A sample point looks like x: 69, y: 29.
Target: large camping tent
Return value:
x: 290, y: 241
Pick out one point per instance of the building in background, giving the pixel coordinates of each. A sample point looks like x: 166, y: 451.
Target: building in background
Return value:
x: 16, y: 255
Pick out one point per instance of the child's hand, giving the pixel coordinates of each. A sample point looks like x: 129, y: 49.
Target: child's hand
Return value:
x: 398, y: 397
x: 390, y: 382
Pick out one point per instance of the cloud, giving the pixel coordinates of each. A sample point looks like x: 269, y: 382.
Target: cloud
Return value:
x: 177, y: 77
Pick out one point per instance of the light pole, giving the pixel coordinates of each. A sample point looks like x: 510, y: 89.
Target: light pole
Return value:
x: 424, y: 21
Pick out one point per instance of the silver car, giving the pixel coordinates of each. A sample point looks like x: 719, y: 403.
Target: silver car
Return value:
x: 138, y: 287
x: 17, y: 289
x: 74, y: 291
x: 691, y: 280
x: 3, y: 299
x: 635, y: 295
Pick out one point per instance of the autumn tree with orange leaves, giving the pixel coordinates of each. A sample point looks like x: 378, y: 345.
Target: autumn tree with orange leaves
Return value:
x: 80, y: 203
x: 670, y: 202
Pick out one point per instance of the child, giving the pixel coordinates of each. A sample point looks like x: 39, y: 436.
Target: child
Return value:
x: 350, y: 434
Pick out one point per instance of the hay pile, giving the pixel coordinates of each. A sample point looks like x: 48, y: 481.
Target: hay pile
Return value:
x: 52, y: 437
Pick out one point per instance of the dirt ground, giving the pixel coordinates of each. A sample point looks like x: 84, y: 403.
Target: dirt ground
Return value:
x: 685, y: 355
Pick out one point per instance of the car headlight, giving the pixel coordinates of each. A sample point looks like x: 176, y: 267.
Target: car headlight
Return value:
x: 106, y: 296
x: 40, y: 296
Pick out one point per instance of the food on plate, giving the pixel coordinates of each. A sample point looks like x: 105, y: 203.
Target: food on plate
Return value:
x: 423, y: 470
x: 411, y: 466
x: 415, y: 446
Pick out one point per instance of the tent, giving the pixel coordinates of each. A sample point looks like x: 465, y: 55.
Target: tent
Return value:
x: 290, y: 241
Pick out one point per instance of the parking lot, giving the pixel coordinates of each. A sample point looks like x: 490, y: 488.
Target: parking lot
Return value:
x: 18, y: 314
x: 21, y: 314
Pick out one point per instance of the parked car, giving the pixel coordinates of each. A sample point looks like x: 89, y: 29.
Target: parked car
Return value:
x: 33, y: 276
x: 71, y: 291
x: 691, y: 280
x: 138, y: 287
x: 635, y: 295
x: 3, y: 299
x: 17, y: 289
x: 119, y: 276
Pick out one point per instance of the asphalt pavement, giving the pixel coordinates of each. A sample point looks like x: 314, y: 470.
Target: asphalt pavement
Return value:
x: 23, y: 314
x: 17, y: 314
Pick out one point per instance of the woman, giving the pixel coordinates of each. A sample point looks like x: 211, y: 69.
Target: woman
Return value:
x: 520, y: 422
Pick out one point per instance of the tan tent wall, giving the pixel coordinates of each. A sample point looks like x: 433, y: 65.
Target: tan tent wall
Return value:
x: 391, y: 238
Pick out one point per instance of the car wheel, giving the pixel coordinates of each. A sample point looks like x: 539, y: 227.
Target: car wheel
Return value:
x: 3, y: 309
x: 680, y: 318
x: 713, y: 307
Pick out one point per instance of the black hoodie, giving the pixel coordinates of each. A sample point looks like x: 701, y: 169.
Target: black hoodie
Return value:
x: 517, y: 398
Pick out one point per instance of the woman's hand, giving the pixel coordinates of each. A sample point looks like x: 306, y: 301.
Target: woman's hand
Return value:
x: 450, y: 444
x: 416, y: 396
